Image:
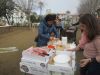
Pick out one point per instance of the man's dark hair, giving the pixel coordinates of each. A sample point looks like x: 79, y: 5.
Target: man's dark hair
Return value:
x: 54, y: 16
x: 91, y: 23
x: 50, y: 17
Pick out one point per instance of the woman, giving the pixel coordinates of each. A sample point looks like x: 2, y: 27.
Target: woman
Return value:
x: 90, y: 42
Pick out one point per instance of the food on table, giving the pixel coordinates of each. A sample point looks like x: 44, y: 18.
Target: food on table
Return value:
x: 59, y: 47
x: 59, y: 42
x: 40, y: 52
x: 51, y: 47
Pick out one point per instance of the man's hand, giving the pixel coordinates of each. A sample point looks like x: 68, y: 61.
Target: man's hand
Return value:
x: 52, y: 38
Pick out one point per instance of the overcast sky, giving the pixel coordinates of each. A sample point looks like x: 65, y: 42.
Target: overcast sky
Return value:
x: 57, y: 6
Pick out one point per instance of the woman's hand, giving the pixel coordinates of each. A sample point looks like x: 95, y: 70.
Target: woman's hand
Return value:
x: 84, y: 62
x: 73, y: 49
x: 70, y: 49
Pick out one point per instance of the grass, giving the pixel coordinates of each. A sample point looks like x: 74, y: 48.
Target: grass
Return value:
x: 21, y: 38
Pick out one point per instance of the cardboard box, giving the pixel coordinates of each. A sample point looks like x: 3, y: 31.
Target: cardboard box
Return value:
x: 31, y: 68
x: 34, y: 62
x: 67, y: 68
x: 34, y: 66
x: 38, y: 66
x: 28, y: 54
x: 64, y: 68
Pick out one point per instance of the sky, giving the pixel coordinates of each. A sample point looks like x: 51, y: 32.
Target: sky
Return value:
x: 60, y: 6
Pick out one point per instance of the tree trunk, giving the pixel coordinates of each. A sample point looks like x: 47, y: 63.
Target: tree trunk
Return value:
x: 7, y: 19
x: 29, y: 22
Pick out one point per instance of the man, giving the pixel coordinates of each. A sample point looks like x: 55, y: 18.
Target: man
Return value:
x: 46, y: 27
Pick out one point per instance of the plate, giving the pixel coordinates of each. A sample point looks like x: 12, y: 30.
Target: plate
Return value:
x: 61, y: 59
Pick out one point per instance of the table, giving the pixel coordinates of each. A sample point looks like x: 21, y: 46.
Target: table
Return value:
x: 34, y: 67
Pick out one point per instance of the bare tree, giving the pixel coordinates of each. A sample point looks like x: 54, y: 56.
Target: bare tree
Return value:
x: 41, y: 5
x: 88, y: 6
x: 6, y: 9
x: 27, y: 6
